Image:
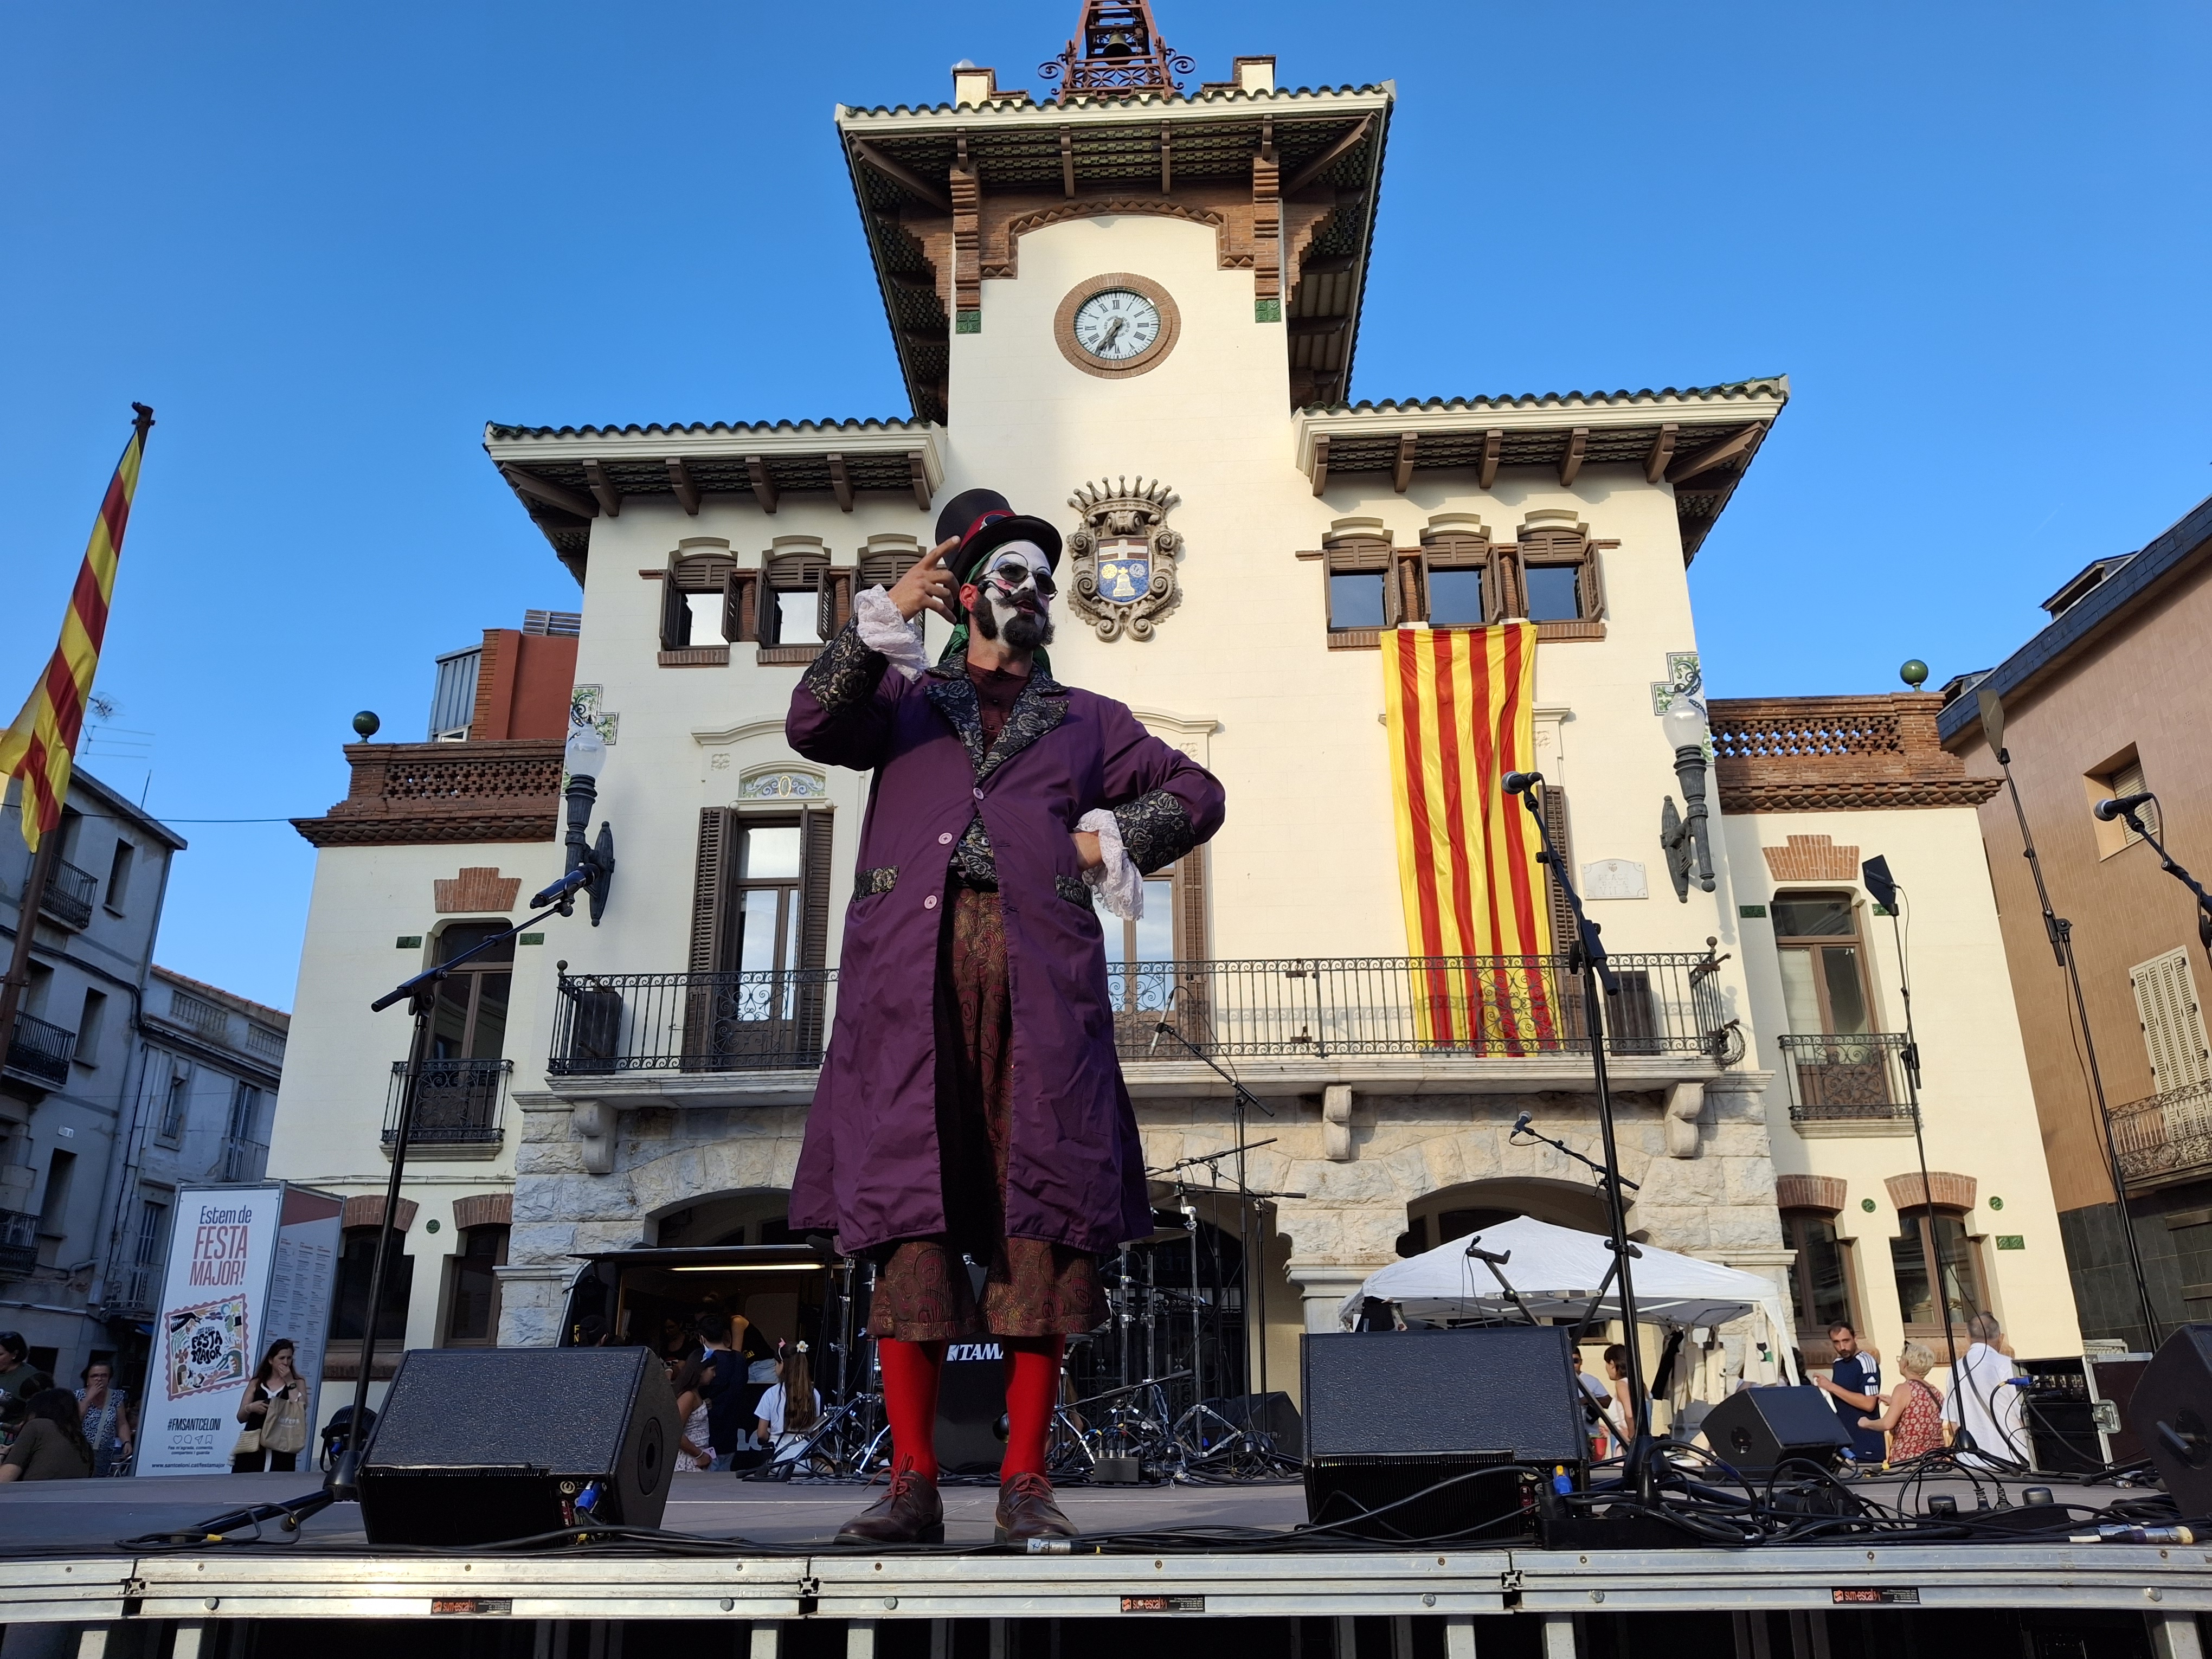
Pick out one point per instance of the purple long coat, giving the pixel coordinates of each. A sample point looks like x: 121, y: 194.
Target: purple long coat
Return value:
x: 1075, y: 1170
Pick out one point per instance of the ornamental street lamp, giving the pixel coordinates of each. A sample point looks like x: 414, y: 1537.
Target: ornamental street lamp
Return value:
x: 1683, y: 834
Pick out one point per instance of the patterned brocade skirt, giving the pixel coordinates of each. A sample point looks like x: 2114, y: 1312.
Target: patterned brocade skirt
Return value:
x: 1032, y: 1288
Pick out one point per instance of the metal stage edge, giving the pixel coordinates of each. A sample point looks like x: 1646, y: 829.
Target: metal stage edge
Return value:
x: 1464, y: 1587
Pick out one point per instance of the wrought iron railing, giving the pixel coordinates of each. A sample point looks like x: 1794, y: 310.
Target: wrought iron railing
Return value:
x: 1473, y: 1007
x: 132, y: 1290
x: 2164, y: 1136
x: 245, y: 1160
x: 1834, y: 1078
x: 69, y: 896
x: 18, y: 1242
x: 461, y: 1103
x: 40, y: 1051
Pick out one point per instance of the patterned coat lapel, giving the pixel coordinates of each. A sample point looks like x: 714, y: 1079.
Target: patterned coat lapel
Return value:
x: 954, y: 698
x: 1042, y: 706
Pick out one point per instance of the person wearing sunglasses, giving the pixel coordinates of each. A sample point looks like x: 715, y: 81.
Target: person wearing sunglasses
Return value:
x: 971, y: 1108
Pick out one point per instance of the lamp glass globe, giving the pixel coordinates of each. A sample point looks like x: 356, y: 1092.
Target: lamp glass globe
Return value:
x: 1685, y: 724
x: 587, y: 752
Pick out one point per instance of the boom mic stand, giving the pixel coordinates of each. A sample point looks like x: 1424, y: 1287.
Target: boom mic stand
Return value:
x: 1588, y: 957
x: 2060, y: 932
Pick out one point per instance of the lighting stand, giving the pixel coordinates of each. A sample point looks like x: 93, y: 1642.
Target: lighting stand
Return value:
x: 1588, y: 957
x: 2060, y: 932
x: 1251, y: 1205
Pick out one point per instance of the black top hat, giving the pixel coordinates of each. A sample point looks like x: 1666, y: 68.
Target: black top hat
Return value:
x: 985, y: 521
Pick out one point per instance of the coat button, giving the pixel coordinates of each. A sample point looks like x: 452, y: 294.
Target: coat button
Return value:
x: 979, y: 794
x: 930, y: 903
x: 945, y: 840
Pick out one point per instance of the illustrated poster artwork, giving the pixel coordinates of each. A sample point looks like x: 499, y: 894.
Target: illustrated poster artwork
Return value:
x: 208, y: 1346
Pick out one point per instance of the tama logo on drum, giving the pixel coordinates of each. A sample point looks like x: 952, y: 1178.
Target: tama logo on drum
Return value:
x: 958, y: 1352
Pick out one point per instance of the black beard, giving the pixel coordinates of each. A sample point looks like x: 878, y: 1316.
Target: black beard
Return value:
x: 1025, y: 630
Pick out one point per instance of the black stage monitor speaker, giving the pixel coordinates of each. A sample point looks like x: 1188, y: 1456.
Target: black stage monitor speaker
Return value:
x: 480, y: 1445
x: 1392, y: 1414
x: 972, y: 1409
x: 1762, y: 1428
x: 2171, y: 1412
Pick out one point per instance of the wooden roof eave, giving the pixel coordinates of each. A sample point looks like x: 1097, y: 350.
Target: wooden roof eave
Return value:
x: 1141, y: 112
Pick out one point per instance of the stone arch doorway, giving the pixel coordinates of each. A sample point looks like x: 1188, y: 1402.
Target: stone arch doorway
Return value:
x: 745, y: 1216
x: 1439, y: 1218
x: 751, y: 1215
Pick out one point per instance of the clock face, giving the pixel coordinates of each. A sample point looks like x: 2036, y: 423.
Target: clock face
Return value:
x: 1116, y: 325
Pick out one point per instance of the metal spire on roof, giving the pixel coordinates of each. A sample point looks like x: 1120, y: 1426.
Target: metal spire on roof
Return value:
x: 1117, y: 49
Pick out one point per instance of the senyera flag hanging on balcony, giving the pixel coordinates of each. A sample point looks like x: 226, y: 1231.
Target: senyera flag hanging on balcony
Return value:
x: 1461, y: 707
x: 42, y: 743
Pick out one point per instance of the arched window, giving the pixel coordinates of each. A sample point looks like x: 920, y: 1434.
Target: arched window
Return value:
x: 472, y: 1300
x: 1926, y: 1232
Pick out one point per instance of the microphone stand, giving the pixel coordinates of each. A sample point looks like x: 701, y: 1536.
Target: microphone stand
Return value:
x: 1587, y: 959
x: 1495, y: 1261
x: 2060, y: 932
x: 2167, y: 863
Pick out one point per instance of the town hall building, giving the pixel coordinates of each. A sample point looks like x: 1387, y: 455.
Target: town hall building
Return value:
x: 1132, y: 305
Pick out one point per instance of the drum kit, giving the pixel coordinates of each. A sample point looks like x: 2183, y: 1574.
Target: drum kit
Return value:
x: 1125, y: 1434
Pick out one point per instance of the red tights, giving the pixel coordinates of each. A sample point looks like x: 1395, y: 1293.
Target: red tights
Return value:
x: 911, y: 1371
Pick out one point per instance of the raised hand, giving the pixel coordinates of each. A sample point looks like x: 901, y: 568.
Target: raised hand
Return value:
x: 927, y: 584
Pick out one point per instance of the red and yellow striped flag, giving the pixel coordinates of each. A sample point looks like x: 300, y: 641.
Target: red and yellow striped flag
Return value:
x: 40, y: 745
x: 1460, y: 706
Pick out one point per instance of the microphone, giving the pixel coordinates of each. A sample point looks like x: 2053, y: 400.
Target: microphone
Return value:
x: 1518, y: 783
x: 2109, y: 810
x: 581, y: 877
x: 1160, y: 1029
x: 1521, y: 1121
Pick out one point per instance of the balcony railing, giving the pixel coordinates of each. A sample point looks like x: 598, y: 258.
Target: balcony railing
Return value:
x: 2164, y: 1137
x: 132, y: 1290
x: 40, y: 1052
x: 19, y: 1242
x: 1472, y: 1007
x: 69, y: 896
x: 461, y: 1103
x: 1838, y: 1079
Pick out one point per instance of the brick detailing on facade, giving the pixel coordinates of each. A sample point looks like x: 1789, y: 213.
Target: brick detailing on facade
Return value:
x: 1953, y: 1192
x: 367, y: 1210
x: 477, y: 890
x: 1833, y: 754
x: 1810, y: 1192
x: 1812, y: 858
x: 414, y: 794
x: 484, y: 1210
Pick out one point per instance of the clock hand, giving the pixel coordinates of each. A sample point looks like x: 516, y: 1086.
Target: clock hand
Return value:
x: 1113, y: 327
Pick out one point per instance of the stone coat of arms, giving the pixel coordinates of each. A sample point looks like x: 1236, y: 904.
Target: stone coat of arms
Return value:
x: 1124, y: 557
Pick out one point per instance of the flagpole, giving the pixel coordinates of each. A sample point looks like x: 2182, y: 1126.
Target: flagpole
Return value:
x: 33, y: 896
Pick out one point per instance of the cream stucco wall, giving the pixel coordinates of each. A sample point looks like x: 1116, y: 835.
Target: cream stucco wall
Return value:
x: 1978, y: 1111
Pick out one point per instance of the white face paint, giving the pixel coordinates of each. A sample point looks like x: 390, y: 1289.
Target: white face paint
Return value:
x: 1016, y: 590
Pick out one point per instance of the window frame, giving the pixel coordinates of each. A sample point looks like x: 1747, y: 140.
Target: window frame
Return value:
x: 1544, y: 547
x: 474, y: 974
x: 448, y: 1303
x: 1811, y: 1327
x: 1360, y: 555
x: 342, y: 1354
x: 696, y: 572
x: 1975, y: 1288
x: 799, y: 569
x: 1807, y: 942
x: 175, y: 1108
x: 120, y: 865
x: 1453, y: 550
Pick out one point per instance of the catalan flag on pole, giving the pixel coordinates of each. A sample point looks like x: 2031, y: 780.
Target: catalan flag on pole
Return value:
x: 1460, y: 708
x: 40, y: 745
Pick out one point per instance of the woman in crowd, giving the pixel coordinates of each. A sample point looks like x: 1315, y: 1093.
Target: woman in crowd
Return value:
x: 51, y: 1446
x: 790, y: 1408
x: 275, y: 1413
x: 100, y: 1406
x: 688, y: 1377
x: 1616, y: 1373
x: 1914, y: 1421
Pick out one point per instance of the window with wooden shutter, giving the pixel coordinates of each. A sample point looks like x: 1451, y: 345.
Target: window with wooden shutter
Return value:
x: 2124, y: 776
x: 695, y: 611
x: 1550, y: 575
x: 2173, y: 1022
x: 760, y: 932
x: 1363, y: 596
x: 1460, y: 576
x: 790, y: 601
x: 1563, y: 914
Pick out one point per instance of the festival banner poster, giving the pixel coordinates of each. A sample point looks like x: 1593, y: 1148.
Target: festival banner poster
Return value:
x: 246, y: 1264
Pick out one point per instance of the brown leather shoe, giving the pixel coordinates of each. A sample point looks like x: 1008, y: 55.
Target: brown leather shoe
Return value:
x: 1026, y: 1511
x: 911, y: 1512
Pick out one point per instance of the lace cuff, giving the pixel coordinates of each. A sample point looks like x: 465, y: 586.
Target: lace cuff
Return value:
x: 882, y: 629
x: 1156, y: 830
x: 1115, y: 880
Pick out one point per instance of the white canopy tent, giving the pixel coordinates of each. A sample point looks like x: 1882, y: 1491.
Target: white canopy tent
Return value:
x: 1557, y: 1270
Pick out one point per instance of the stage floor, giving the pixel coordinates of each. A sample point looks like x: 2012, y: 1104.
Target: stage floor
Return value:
x: 60, y: 1561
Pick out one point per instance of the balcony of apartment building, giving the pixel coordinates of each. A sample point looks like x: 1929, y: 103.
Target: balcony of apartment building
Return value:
x: 39, y: 1053
x: 1285, y: 1026
x: 68, y: 901
x: 2165, y: 1139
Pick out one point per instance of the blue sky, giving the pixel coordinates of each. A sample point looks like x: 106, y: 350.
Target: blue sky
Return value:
x: 327, y: 243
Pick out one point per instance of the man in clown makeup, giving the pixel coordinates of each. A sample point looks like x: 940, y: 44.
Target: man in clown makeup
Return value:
x: 970, y: 1105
